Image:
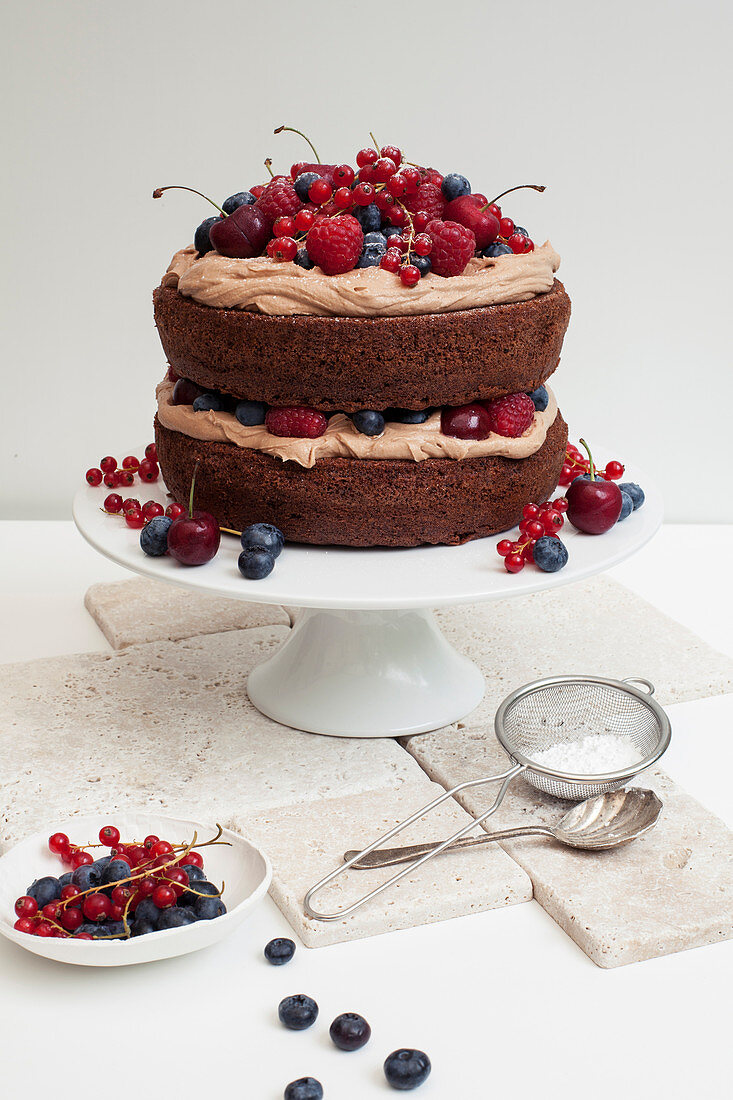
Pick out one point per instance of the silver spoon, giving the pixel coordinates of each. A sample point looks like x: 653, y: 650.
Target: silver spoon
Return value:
x: 605, y: 821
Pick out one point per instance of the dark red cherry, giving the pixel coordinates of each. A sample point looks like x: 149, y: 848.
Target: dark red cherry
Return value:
x: 466, y: 211
x: 242, y: 235
x: 465, y: 422
x: 194, y: 539
x: 593, y: 506
x: 185, y: 392
x: 326, y: 171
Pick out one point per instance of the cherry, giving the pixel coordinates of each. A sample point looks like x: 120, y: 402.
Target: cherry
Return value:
x: 58, y: 843
x: 26, y: 906
x: 113, y: 503
x: 193, y: 538
x: 94, y: 476
x: 109, y: 835
x: 97, y: 907
x: 593, y: 505
x: 243, y: 234
x: 465, y: 422
x: 185, y: 392
x: 466, y: 211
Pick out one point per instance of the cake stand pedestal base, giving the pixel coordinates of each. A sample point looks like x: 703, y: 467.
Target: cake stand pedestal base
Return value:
x: 366, y: 674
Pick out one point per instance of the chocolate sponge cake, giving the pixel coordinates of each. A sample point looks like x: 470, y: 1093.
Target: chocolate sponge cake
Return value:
x: 359, y: 357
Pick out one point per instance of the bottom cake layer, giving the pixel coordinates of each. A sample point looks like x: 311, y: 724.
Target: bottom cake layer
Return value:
x: 361, y: 502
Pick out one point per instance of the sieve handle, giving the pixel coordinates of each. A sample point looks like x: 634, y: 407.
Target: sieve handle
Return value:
x: 387, y: 857
x: 505, y: 778
x: 640, y: 680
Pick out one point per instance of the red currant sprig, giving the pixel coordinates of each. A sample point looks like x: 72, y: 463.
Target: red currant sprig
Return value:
x: 115, y: 476
x: 576, y: 464
x: 538, y: 520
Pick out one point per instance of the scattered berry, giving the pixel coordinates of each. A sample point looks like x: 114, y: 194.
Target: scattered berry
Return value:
x: 550, y: 554
x: 634, y: 491
x: 350, y: 1031
x: 263, y: 536
x: 406, y: 1069
x: 255, y: 565
x: 305, y: 1088
x: 279, y: 951
x: 297, y: 1012
x: 201, y: 239
x: 410, y: 275
x: 627, y: 506
x: 113, y: 503
x: 94, y: 476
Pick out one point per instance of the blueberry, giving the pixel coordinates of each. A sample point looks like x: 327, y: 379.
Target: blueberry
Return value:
x: 297, y: 1012
x: 115, y: 871
x: 195, y: 874
x: 87, y: 876
x: 303, y: 184
x: 44, y: 890
x: 142, y: 927
x: 174, y: 918
x: 539, y: 398
x: 634, y: 491
x: 368, y: 422
x: 201, y: 241
x: 375, y: 238
x: 209, y: 908
x: 279, y: 951
x: 250, y: 413
x: 255, y: 565
x: 302, y: 259
x: 110, y: 928
x: 371, y: 256
x: 305, y: 1088
x: 208, y: 401
x: 407, y: 416
x: 154, y: 536
x: 498, y: 248
x: 627, y: 506
x: 580, y: 477
x: 406, y: 1069
x: 91, y: 929
x: 263, y: 536
x: 65, y: 879
x: 391, y: 231
x: 350, y: 1031
x: 522, y: 232
x: 242, y: 198
x: 369, y: 217
x: 147, y: 910
x: 201, y: 887
x: 550, y: 554
x: 422, y: 263
x: 454, y: 185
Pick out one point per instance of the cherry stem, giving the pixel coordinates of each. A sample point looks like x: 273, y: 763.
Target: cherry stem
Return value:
x: 292, y: 130
x: 520, y: 187
x: 230, y: 531
x: 592, y: 470
x: 193, y: 484
x: 268, y: 166
x: 178, y: 187
x: 376, y: 143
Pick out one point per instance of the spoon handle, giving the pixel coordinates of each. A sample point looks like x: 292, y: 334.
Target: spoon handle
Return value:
x: 386, y: 857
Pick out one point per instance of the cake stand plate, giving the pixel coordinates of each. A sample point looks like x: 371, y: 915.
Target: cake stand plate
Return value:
x: 366, y: 657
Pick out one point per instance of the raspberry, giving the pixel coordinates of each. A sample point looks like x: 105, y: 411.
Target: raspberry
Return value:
x: 453, y: 247
x: 429, y: 198
x: 297, y: 421
x: 335, y: 244
x: 511, y: 415
x: 279, y: 200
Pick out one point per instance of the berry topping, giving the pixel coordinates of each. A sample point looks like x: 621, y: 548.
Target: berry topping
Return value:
x: 428, y: 199
x: 499, y: 248
x: 279, y: 951
x: 453, y: 247
x: 512, y: 415
x: 454, y: 185
x: 242, y: 198
x: 467, y: 212
x: 201, y: 239
x: 335, y: 244
x: 303, y: 184
x: 245, y: 232
x: 466, y: 422
x: 406, y: 1069
x: 296, y: 421
x: 279, y: 198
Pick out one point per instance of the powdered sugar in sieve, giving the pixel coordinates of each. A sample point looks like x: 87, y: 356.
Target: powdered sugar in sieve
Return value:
x: 590, y: 755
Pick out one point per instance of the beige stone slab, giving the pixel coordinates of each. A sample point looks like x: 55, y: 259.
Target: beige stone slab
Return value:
x: 141, y: 610
x: 665, y: 892
x: 167, y: 725
x: 467, y: 882
x: 593, y: 627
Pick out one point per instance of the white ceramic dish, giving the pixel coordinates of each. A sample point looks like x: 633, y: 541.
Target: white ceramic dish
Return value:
x: 241, y: 865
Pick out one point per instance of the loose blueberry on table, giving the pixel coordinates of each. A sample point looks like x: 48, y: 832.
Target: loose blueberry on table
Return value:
x: 406, y: 1069
x: 279, y: 951
x: 297, y: 1012
x: 350, y: 1031
x: 139, y: 888
x: 305, y: 1088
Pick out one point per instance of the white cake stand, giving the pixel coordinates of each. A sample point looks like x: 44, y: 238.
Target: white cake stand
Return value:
x: 365, y: 657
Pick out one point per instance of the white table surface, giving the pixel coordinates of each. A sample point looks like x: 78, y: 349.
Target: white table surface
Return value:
x: 503, y: 1002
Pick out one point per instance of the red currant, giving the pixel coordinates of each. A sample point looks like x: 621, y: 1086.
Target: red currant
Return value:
x: 121, y: 895
x: 411, y: 176
x: 383, y: 169
x: 25, y: 924
x: 51, y: 911
x: 397, y: 216
x: 530, y: 511
x: 506, y: 227
x: 366, y: 156
x: 110, y: 480
x: 516, y: 242
x: 504, y: 547
x: 80, y: 859
x: 391, y: 260
x: 552, y: 521
x: 97, y: 906
x: 304, y: 220
x: 384, y: 201
x: 343, y: 174
x: 535, y: 529
x: 257, y: 190
x: 83, y: 936
x: 113, y: 503
x: 116, y: 912
x: 366, y: 174
x: 192, y: 859
x: 136, y: 853
x: 146, y: 886
x: 58, y: 844
x: 514, y: 563
x: 43, y: 928
x: 94, y: 476
x: 343, y: 198
x: 130, y: 463
x: 151, y: 508
x: 152, y: 838
x: 528, y: 552
x: 26, y: 906
x: 71, y: 918
x: 363, y: 194
x: 109, y: 835
x: 396, y: 185
x: 410, y: 275
x: 420, y: 220
x: 164, y: 897
x: 560, y: 504
x: 125, y: 477
x: 149, y: 470
x: 614, y: 470
x: 320, y: 191
x: 283, y: 227
x: 422, y: 244
x: 495, y: 210
x: 134, y: 519
x: 174, y: 511
x: 69, y: 892
x: 151, y: 452
x: 161, y: 848
x: 108, y: 464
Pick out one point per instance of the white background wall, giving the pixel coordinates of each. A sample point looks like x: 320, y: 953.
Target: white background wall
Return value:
x: 622, y: 109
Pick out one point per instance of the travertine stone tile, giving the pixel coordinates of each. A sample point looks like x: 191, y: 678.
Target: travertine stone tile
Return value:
x: 166, y: 725
x: 140, y: 610
x: 667, y: 891
x: 451, y: 886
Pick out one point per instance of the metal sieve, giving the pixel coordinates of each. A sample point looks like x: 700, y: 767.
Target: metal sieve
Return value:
x: 559, y: 710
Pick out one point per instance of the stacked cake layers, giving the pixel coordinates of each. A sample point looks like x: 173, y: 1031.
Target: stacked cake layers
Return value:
x: 260, y: 331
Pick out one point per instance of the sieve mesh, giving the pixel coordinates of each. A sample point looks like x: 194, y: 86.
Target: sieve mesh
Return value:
x: 562, y: 711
